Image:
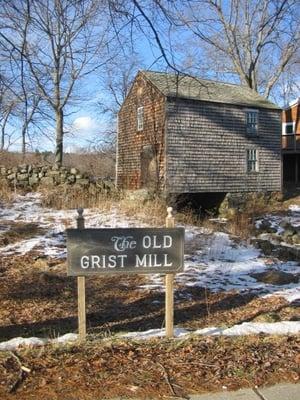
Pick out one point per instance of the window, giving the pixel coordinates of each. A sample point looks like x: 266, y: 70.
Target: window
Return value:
x: 252, y: 122
x: 140, y: 118
x: 288, y: 128
x: 252, y: 160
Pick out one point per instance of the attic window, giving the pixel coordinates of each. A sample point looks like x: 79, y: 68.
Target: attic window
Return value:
x: 140, y: 118
x: 251, y: 122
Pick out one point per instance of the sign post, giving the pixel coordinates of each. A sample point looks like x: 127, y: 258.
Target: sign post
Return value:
x: 81, y: 289
x: 125, y: 251
x: 169, y: 281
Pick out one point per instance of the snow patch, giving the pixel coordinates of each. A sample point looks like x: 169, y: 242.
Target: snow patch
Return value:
x: 294, y: 208
x: 15, y: 343
x: 246, y: 328
x: 152, y: 333
x: 254, y: 328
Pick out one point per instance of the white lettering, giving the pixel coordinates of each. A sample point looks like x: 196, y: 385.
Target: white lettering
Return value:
x: 141, y: 262
x: 146, y: 242
x: 155, y: 245
x: 122, y: 257
x: 122, y: 243
x: 166, y: 264
x: 95, y: 260
x: 84, y: 262
x: 156, y: 264
x: 112, y: 262
x: 167, y: 242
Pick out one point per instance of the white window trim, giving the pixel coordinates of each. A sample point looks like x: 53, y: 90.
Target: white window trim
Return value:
x: 252, y: 110
x: 256, y: 162
x: 285, y: 124
x: 140, y: 118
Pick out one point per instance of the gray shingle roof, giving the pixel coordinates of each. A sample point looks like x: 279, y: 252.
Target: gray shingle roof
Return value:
x: 188, y: 87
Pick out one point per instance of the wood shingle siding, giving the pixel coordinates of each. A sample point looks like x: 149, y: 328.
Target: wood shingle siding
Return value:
x: 207, y: 145
x: 131, y: 141
x: 196, y: 145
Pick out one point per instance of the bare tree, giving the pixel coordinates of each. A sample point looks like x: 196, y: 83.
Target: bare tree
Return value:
x: 255, y: 40
x: 251, y: 41
x: 58, y: 40
x: 8, y: 106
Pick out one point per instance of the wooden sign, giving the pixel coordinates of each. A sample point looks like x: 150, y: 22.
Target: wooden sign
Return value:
x: 125, y: 251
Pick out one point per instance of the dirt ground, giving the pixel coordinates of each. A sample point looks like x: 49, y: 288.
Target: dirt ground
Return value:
x: 38, y: 299
x: 152, y: 369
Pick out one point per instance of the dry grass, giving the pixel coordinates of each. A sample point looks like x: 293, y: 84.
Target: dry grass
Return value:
x: 98, y: 164
x: 189, y: 217
x: 151, y: 211
x: 11, y: 159
x: 6, y: 193
x: 20, y: 230
x: 241, y: 222
x: 241, y: 225
x: 68, y: 197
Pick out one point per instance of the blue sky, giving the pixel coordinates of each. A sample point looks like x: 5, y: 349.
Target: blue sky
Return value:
x: 85, y: 123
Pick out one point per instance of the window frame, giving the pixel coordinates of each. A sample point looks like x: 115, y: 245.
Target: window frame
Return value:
x: 252, y: 126
x: 285, y: 125
x: 252, y: 159
x: 140, y: 119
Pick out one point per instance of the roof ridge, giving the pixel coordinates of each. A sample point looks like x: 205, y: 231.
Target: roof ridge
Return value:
x: 188, y: 86
x: 200, y: 79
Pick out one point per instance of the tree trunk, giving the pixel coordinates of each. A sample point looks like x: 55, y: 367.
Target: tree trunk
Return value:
x: 2, y: 140
x: 59, y: 115
x: 23, y: 141
x: 3, y: 127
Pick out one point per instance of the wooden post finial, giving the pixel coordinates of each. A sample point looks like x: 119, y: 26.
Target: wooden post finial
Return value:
x: 80, y: 218
x: 169, y: 211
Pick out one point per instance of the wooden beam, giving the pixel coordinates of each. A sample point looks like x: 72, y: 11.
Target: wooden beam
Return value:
x: 169, y: 281
x: 81, y: 289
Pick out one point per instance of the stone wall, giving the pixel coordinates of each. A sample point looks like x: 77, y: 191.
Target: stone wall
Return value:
x: 31, y: 177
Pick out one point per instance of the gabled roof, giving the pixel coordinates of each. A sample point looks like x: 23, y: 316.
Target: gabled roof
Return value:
x: 188, y: 87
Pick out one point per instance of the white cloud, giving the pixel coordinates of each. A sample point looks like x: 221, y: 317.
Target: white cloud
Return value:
x: 84, y: 124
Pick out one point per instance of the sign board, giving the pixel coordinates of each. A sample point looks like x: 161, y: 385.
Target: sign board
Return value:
x: 128, y: 250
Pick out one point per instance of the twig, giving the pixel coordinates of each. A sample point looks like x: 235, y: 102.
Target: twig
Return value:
x: 196, y: 363
x: 167, y: 379
x: 24, y: 371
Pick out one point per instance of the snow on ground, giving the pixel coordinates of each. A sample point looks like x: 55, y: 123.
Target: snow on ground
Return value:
x: 278, y: 222
x: 15, y: 343
x: 246, y: 328
x: 28, y: 209
x: 222, y: 265
x: 215, y: 261
x: 294, y: 208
